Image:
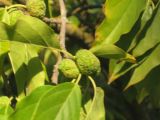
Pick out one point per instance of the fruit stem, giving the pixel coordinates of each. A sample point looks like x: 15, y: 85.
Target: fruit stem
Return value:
x: 67, y: 53
x: 16, y: 5
x: 73, y: 81
x: 94, y: 85
x: 79, y: 78
x: 62, y: 51
x: 94, y: 97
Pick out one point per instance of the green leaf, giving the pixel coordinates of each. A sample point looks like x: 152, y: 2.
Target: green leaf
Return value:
x: 143, y: 24
x: 150, y: 87
x: 94, y: 110
x: 37, y: 74
x: 152, y: 37
x: 18, y: 59
x: 111, y: 51
x: 4, y: 48
x: 5, y: 108
x: 148, y: 13
x: 4, y: 16
x: 30, y: 30
x: 4, y: 31
x: 14, y: 15
x: 120, y: 18
x: 117, y: 70
x: 25, y: 62
x: 60, y: 102
x: 141, y: 72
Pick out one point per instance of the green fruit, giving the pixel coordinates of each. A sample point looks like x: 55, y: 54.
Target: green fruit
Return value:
x: 36, y: 8
x: 69, y: 68
x: 87, y: 62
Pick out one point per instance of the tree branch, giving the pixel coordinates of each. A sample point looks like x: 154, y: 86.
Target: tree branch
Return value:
x: 63, y: 24
x: 52, y: 20
x: 62, y: 40
x: 55, y: 69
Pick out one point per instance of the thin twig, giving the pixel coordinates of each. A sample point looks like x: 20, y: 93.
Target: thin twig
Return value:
x: 55, y: 69
x: 62, y: 41
x: 52, y: 20
x: 63, y: 24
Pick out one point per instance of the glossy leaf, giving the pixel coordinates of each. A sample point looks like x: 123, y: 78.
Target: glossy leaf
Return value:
x: 4, y: 16
x: 5, y: 108
x: 4, y: 31
x: 152, y: 37
x: 60, y: 102
x: 25, y: 62
x: 30, y: 30
x: 37, y: 74
x: 111, y: 51
x: 141, y: 72
x: 116, y: 70
x: 14, y: 15
x: 120, y: 18
x: 144, y: 20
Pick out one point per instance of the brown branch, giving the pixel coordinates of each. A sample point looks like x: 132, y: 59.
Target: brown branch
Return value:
x: 62, y: 40
x: 55, y: 69
x: 52, y: 20
x: 63, y: 24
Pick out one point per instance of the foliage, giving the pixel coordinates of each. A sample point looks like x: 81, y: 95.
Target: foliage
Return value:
x: 109, y: 69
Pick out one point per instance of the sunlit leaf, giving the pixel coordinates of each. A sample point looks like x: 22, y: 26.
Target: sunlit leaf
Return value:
x: 29, y: 30
x: 141, y: 72
x: 26, y: 66
x: 60, y: 102
x: 112, y: 51
x: 120, y: 18
x: 5, y: 108
x: 152, y: 36
x: 4, y: 16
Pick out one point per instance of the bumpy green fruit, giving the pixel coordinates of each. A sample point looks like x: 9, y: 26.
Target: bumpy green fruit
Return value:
x: 87, y: 62
x: 69, y: 68
x: 36, y: 8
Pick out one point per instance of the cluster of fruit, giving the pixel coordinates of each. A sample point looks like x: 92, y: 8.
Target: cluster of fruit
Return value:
x: 85, y: 63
